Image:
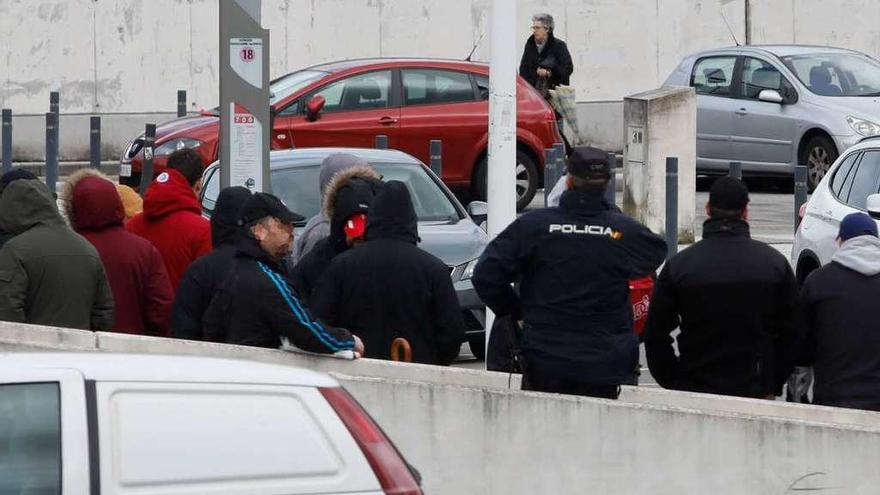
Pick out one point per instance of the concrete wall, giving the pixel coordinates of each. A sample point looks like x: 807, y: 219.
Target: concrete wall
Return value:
x: 468, y: 433
x: 125, y: 59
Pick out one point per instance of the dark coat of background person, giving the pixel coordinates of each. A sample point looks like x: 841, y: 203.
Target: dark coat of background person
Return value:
x: 172, y: 220
x: 49, y: 274
x: 735, y: 300
x: 135, y: 270
x: 554, y: 57
x: 257, y: 306
x: 840, y: 329
x: 389, y: 288
x: 202, y: 279
x: 349, y: 192
x: 12, y: 175
x: 574, y: 286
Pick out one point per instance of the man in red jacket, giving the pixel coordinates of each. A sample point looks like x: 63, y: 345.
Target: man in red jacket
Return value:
x: 141, y: 292
x: 172, y: 218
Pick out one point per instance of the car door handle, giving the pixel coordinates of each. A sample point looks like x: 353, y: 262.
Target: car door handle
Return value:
x: 742, y: 111
x: 387, y: 120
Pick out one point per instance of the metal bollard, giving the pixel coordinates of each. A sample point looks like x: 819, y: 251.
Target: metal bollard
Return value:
x: 560, y: 159
x: 549, y: 173
x: 6, y: 131
x: 53, y: 102
x: 671, y: 206
x: 800, y: 191
x: 736, y: 170
x: 95, y: 142
x: 149, y: 143
x: 181, y: 103
x: 381, y: 142
x: 436, y: 154
x: 51, y: 150
x: 611, y: 191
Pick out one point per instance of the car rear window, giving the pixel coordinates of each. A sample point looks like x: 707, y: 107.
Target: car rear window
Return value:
x: 865, y: 181
x: 842, y: 173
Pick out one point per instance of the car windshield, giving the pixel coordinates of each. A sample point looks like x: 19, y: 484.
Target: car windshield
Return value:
x: 291, y: 83
x: 298, y: 187
x: 837, y: 74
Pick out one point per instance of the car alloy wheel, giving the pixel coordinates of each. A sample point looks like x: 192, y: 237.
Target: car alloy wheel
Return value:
x: 819, y: 154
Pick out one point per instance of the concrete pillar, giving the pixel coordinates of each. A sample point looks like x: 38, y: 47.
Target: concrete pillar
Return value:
x: 658, y: 124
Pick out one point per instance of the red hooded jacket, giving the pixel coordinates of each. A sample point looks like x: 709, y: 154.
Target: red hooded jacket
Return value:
x: 141, y: 291
x: 172, y: 220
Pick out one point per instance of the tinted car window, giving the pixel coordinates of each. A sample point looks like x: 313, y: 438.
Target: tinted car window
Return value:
x: 865, y: 180
x: 713, y: 75
x: 843, y: 171
x: 361, y: 92
x: 30, y: 436
x: 424, y: 86
x: 758, y: 75
x: 211, y: 189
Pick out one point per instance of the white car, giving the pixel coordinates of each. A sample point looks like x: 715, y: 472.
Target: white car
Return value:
x: 109, y: 424
x: 851, y: 185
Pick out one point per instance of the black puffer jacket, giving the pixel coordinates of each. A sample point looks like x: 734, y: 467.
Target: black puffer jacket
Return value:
x: 201, y: 280
x: 554, y: 57
x: 349, y: 192
x: 574, y: 263
x: 256, y: 305
x: 735, y: 300
x: 390, y: 288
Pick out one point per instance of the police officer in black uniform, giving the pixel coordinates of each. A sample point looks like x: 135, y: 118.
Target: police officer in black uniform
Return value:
x: 573, y: 263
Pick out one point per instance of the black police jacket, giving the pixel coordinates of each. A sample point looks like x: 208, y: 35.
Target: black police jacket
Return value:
x: 734, y: 299
x: 256, y: 305
x: 574, y: 263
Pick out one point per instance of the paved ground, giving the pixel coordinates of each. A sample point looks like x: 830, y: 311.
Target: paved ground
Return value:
x: 771, y: 217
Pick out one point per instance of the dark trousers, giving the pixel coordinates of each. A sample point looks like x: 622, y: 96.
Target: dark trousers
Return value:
x: 538, y: 381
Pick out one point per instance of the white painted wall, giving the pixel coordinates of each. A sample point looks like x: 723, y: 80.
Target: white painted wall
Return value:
x: 129, y: 57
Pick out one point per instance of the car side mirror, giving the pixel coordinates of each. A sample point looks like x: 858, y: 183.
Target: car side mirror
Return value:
x: 873, y: 206
x: 770, y: 96
x: 314, y: 106
x: 479, y: 211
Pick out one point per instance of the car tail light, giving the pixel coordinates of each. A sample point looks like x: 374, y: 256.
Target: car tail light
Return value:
x: 391, y: 469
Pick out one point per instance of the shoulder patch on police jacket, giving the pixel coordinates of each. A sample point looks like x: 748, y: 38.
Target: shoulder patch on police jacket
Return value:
x: 574, y: 229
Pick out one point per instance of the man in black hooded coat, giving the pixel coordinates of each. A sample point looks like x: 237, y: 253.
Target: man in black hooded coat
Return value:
x: 348, y: 193
x: 203, y: 277
x: 389, y: 288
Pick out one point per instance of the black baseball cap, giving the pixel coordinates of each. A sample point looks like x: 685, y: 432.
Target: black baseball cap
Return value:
x: 262, y: 205
x: 589, y: 163
x: 728, y: 193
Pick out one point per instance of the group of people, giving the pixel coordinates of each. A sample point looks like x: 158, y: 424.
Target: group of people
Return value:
x: 744, y: 322
x: 166, y: 270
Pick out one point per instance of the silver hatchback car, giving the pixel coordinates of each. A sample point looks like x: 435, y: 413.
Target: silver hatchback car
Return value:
x: 772, y: 107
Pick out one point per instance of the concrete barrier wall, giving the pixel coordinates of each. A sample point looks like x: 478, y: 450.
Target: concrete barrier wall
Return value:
x: 468, y: 432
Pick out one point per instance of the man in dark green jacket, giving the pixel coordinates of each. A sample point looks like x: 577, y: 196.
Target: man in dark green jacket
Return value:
x: 49, y: 275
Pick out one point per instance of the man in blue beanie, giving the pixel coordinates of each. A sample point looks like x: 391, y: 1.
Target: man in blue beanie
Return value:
x: 838, y: 320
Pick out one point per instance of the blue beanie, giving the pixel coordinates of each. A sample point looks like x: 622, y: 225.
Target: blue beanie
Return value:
x: 856, y: 224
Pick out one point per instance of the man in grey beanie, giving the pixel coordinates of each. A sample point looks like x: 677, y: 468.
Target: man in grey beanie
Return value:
x: 318, y: 227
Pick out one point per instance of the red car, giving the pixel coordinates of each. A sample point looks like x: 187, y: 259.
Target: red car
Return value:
x: 411, y: 101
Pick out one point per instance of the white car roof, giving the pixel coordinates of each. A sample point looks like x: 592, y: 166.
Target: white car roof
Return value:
x: 102, y: 366
x: 865, y: 144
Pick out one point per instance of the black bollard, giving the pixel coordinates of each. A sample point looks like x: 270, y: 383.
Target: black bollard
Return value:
x: 671, y: 206
x: 51, y: 150
x: 611, y: 190
x: 181, y: 103
x: 149, y: 143
x: 95, y: 142
x: 381, y: 142
x: 436, y: 154
x: 6, y: 131
x: 800, y: 192
x: 736, y: 170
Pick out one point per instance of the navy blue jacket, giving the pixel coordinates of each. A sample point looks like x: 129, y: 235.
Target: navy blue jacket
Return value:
x: 574, y: 263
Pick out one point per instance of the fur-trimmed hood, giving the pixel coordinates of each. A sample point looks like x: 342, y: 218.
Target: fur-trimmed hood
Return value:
x: 65, y: 196
x: 342, y: 179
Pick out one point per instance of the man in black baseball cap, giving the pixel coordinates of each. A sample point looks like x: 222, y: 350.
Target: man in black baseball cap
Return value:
x: 257, y: 304
x: 734, y: 299
x: 574, y: 263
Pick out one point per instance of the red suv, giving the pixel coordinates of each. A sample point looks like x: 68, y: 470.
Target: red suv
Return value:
x: 411, y: 101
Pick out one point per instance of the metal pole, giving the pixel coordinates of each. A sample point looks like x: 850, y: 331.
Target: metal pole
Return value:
x: 381, y: 142
x: 6, y: 148
x: 95, y: 142
x: 181, y: 103
x: 611, y: 190
x: 149, y: 143
x: 560, y: 158
x: 436, y: 150
x: 501, y: 176
x: 736, y: 170
x: 51, y: 150
x: 671, y: 206
x: 53, y: 102
x: 800, y: 191
x: 549, y: 173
